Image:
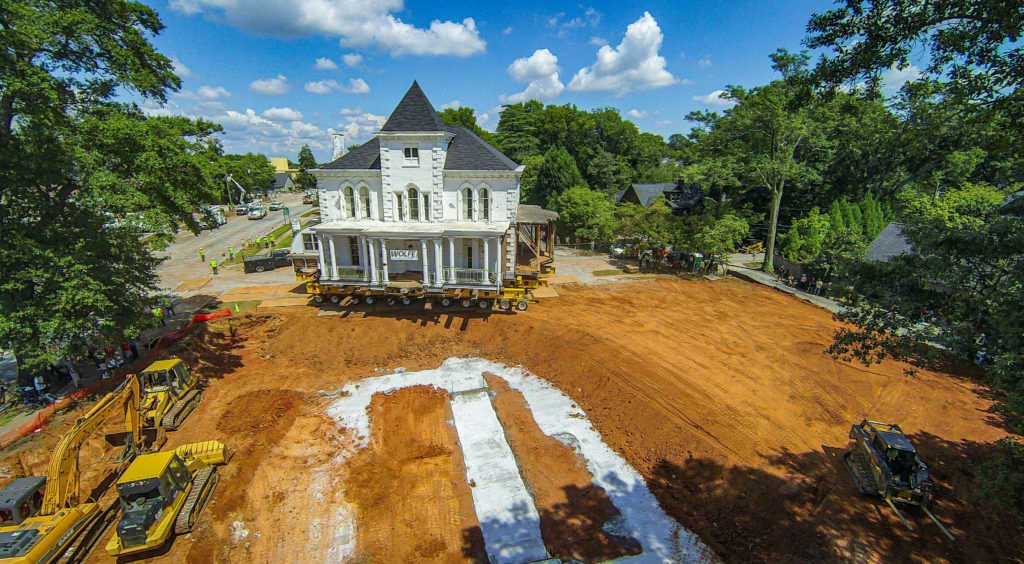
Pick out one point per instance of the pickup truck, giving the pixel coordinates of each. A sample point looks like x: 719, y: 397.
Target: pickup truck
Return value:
x: 266, y: 261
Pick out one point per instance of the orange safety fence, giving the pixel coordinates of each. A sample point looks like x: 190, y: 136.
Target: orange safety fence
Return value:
x: 42, y: 417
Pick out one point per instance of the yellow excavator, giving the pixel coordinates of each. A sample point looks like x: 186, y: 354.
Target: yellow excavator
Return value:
x: 43, y: 517
x: 164, y: 493
x: 884, y: 464
x: 170, y: 394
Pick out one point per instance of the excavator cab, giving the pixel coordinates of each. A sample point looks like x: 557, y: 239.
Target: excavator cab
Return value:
x: 169, y: 393
x: 21, y: 499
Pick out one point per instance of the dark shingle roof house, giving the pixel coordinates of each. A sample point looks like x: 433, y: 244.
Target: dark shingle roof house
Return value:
x: 890, y: 243
x: 680, y: 197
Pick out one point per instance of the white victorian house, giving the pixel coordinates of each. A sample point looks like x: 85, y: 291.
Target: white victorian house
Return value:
x: 421, y: 204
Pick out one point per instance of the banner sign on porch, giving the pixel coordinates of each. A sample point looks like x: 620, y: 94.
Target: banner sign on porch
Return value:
x: 403, y: 254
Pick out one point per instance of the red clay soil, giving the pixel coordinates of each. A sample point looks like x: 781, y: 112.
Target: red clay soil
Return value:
x: 573, y: 510
x: 719, y: 393
x: 409, y: 485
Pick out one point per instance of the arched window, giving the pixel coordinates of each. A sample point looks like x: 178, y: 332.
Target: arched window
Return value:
x: 467, y: 203
x: 426, y: 206
x: 350, y: 203
x: 414, y: 204
x: 364, y: 201
x: 401, y: 206
x: 484, y: 204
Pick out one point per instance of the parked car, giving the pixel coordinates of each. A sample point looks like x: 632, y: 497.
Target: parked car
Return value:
x: 241, y: 209
x: 266, y: 261
x: 307, y: 199
x: 275, y: 205
x: 258, y: 212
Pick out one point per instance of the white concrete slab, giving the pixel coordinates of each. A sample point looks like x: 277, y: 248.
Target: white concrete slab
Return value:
x: 508, y: 517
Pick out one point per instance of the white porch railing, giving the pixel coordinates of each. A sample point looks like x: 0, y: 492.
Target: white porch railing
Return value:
x: 349, y: 273
x: 468, y: 276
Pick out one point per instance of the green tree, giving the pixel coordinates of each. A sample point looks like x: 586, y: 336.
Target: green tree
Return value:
x: 557, y: 173
x: 74, y: 270
x: 304, y: 180
x: 516, y: 132
x: 528, y: 182
x: 651, y: 227
x: 769, y: 131
x: 466, y: 117
x: 717, y: 237
x: 585, y: 213
x: 806, y: 237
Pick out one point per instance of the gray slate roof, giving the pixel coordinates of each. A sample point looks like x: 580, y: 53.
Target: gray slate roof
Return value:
x: 414, y: 113
x: 468, y: 151
x: 280, y: 180
x: 677, y: 200
x: 363, y: 157
x: 647, y: 193
x: 889, y: 243
x: 534, y: 214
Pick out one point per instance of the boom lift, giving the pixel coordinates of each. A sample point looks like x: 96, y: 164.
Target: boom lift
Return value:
x: 165, y: 492
x: 169, y: 394
x: 43, y: 531
x: 884, y: 464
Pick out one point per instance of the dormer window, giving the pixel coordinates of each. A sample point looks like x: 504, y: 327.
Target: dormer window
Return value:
x: 412, y: 156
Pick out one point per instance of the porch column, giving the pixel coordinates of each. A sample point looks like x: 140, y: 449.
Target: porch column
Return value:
x: 334, y: 259
x: 451, y: 259
x: 372, y: 255
x: 384, y: 262
x: 363, y: 262
x: 487, y: 259
x: 426, y: 270
x: 320, y: 251
x: 438, y: 281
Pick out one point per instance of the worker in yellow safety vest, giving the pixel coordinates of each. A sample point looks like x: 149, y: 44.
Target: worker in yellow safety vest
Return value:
x: 231, y: 252
x: 202, y: 254
x: 213, y: 265
x: 158, y: 313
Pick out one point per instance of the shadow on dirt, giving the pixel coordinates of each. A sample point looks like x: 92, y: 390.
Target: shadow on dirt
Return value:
x: 816, y: 514
x: 211, y: 354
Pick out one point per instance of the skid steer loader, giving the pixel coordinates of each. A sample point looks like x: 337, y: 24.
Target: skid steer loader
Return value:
x: 163, y: 493
x: 884, y: 464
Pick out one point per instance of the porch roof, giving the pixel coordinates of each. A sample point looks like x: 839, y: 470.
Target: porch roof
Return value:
x: 412, y: 229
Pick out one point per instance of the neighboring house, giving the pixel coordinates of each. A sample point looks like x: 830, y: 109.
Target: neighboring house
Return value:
x: 282, y: 181
x: 890, y: 243
x: 280, y: 164
x: 423, y: 204
x: 680, y: 197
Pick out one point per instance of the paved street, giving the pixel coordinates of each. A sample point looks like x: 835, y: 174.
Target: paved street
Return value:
x: 183, y: 262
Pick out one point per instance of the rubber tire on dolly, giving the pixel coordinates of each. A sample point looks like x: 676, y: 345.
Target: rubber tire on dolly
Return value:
x: 467, y: 303
x: 335, y: 298
x: 260, y: 268
x: 369, y: 300
x: 521, y: 305
x: 318, y: 298
x: 406, y: 300
x: 355, y: 301
x: 446, y: 302
x: 505, y: 305
x: 391, y: 301
x: 484, y: 304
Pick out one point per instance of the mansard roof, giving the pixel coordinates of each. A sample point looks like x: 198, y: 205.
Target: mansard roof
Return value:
x: 414, y: 113
x: 467, y: 151
x: 362, y: 157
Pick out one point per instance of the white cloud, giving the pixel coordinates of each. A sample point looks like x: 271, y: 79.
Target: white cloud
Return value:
x: 715, y: 99
x: 637, y: 114
x: 352, y: 59
x: 213, y: 92
x: 354, y: 86
x: 663, y: 123
x: 323, y: 63
x: 281, y: 114
x: 540, y: 70
x: 704, y: 62
x: 454, y: 104
x: 271, y: 86
x: 359, y: 125
x: 507, y: 30
x: 489, y: 119
x: 634, y: 65
x: 597, y: 41
x: 894, y: 78
x: 181, y: 70
x: 355, y: 23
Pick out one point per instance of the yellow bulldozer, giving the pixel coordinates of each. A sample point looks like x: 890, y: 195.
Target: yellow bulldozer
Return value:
x: 164, y: 493
x: 46, y: 517
x: 883, y: 463
x: 170, y: 394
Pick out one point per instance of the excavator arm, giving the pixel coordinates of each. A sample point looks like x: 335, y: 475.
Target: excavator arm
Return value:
x: 63, y: 472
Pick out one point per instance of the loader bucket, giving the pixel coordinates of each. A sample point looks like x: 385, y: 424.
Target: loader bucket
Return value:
x: 207, y: 453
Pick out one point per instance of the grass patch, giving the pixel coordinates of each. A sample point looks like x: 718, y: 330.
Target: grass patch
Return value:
x: 280, y: 231
x: 239, y: 255
x: 241, y: 305
x: 285, y: 243
x: 755, y: 265
x: 612, y: 272
x: 311, y: 212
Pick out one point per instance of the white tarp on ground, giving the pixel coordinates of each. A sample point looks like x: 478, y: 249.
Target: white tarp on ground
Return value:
x: 662, y: 539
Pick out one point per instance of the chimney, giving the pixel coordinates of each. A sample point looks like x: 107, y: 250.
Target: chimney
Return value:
x: 681, y: 183
x: 338, y: 141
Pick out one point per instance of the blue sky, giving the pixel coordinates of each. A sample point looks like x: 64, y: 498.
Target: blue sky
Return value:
x: 252, y: 65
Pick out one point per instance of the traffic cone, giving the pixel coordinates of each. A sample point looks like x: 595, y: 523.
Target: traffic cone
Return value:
x: 236, y: 308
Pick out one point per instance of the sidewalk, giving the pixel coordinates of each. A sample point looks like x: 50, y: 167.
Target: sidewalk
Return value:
x: 738, y: 268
